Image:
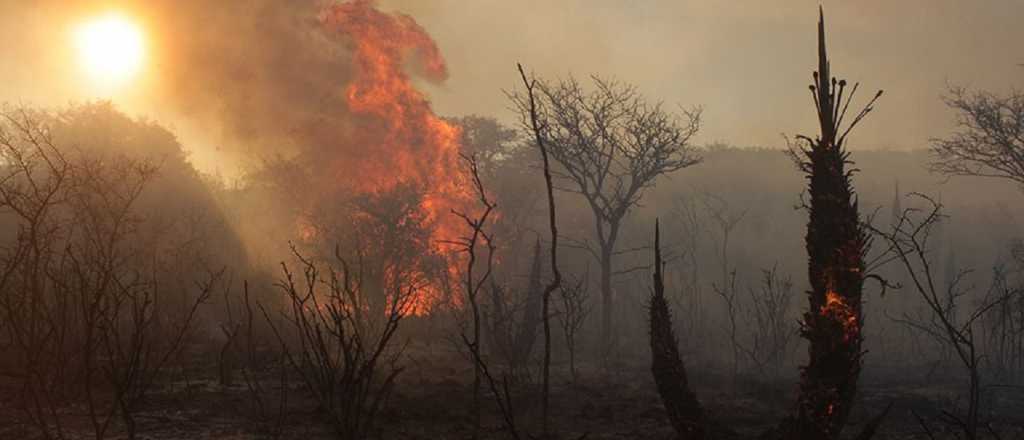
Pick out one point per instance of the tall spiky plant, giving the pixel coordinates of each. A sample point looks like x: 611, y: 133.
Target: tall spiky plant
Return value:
x: 836, y: 243
x: 684, y: 411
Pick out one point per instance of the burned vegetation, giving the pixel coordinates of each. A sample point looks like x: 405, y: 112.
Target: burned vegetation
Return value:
x: 836, y: 243
x: 389, y: 273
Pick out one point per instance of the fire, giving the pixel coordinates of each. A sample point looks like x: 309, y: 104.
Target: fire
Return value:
x: 404, y: 142
x: 837, y: 308
x: 408, y: 142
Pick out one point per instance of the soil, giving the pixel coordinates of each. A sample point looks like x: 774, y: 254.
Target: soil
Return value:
x: 433, y: 400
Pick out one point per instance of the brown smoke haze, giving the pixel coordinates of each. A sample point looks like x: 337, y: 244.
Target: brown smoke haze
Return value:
x: 255, y: 76
x: 263, y: 76
x: 744, y: 61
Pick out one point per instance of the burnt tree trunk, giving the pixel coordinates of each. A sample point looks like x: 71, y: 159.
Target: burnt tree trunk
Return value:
x: 836, y: 243
x: 556, y: 275
x: 684, y: 411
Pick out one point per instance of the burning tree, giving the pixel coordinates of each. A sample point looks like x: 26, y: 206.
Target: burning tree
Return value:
x: 400, y: 139
x: 836, y: 242
x: 382, y: 180
x: 391, y: 235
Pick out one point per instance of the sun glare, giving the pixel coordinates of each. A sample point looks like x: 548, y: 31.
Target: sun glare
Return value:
x: 110, y: 47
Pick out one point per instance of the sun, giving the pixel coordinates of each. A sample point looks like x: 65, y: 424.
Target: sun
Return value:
x: 110, y: 47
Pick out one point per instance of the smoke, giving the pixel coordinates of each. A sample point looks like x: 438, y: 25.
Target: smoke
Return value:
x: 400, y: 138
x: 314, y: 96
x: 259, y: 77
x: 747, y: 62
x: 263, y: 76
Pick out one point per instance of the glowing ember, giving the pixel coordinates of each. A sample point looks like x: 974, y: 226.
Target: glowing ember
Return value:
x: 837, y: 308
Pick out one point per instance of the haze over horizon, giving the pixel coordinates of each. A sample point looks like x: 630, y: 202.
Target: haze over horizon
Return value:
x: 747, y: 64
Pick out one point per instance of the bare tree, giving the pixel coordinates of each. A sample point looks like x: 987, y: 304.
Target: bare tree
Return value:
x: 248, y: 352
x: 691, y: 297
x: 33, y: 191
x: 726, y: 221
x: 1004, y: 335
x: 473, y: 287
x: 773, y: 337
x: 514, y: 319
x: 949, y: 321
x: 989, y: 140
x: 573, y: 314
x: 612, y: 144
x: 500, y: 391
x: 728, y: 293
x: 532, y: 110
x: 342, y: 353
x: 85, y: 308
x: 474, y: 284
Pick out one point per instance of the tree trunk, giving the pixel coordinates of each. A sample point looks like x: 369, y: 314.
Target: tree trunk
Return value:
x: 836, y: 245
x: 607, y: 243
x: 606, y: 298
x: 526, y: 335
x: 477, y: 348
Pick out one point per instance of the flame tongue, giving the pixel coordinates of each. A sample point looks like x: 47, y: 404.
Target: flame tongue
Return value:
x: 402, y: 143
x: 402, y: 137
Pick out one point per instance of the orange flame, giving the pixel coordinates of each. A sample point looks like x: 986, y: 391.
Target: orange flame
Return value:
x: 405, y: 142
x: 836, y: 308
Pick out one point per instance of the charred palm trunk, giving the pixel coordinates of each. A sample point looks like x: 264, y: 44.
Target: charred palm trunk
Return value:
x: 836, y: 243
x: 684, y: 411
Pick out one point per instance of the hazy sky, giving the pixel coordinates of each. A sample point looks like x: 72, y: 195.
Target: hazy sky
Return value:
x: 226, y: 67
x: 747, y: 62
